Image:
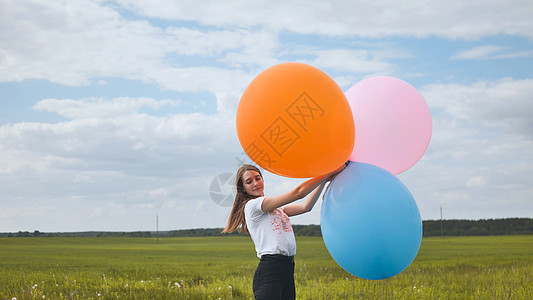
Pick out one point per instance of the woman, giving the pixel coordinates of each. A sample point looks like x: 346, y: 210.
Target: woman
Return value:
x: 267, y: 221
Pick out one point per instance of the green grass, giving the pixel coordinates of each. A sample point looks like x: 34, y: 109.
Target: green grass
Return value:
x: 494, y: 267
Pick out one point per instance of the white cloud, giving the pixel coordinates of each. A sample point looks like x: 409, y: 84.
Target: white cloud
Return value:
x: 197, y: 79
x: 72, y: 43
x: 92, y: 163
x: 159, y: 192
x: 480, y: 158
x: 100, y: 108
x: 466, y: 20
x: 476, y: 181
x: 104, y: 135
x: 83, y: 178
x: 490, y: 52
x: 356, y: 61
x: 504, y: 103
x: 481, y: 52
x: 206, y: 43
x: 79, y: 40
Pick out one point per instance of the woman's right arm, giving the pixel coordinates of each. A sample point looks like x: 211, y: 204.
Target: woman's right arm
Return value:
x: 302, y: 190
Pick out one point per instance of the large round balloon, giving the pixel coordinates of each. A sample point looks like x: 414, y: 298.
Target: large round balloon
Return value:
x: 370, y: 222
x: 392, y: 121
x: 294, y: 120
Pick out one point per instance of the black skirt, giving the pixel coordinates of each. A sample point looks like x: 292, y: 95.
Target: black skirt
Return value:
x: 274, y: 278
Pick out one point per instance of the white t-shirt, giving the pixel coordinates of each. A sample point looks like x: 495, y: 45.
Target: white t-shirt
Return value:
x: 271, y: 231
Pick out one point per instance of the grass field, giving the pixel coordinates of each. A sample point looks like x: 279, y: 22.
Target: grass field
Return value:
x: 493, y: 267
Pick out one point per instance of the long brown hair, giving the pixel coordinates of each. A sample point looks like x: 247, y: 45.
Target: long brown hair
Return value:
x: 236, y: 218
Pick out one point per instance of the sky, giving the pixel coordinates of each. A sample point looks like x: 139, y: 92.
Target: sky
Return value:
x: 115, y: 112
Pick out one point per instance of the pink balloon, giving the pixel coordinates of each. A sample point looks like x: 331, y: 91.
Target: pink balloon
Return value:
x: 392, y: 123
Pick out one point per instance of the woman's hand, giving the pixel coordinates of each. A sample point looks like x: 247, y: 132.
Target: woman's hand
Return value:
x: 333, y: 174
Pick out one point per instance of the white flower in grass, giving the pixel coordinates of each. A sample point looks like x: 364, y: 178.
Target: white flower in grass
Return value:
x: 177, y: 284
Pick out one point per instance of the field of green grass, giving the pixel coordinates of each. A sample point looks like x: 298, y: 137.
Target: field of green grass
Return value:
x: 491, y: 267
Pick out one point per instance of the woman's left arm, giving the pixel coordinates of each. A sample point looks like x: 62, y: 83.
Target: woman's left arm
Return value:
x: 309, y: 202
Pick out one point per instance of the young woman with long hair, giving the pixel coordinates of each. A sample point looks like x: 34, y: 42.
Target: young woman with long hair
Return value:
x: 267, y: 221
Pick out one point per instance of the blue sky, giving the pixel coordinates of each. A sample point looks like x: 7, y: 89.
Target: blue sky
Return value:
x: 114, y: 112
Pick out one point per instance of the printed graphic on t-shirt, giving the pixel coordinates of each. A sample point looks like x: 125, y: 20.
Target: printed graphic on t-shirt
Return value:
x: 280, y: 221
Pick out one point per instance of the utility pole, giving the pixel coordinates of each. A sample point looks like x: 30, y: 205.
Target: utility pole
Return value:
x: 441, y: 229
x: 157, y: 227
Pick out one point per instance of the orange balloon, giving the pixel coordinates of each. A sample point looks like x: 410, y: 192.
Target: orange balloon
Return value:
x: 294, y: 120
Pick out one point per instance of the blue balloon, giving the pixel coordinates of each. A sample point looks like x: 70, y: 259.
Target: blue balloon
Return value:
x: 370, y: 222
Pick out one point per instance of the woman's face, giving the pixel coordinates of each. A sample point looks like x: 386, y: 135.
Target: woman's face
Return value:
x: 253, y: 183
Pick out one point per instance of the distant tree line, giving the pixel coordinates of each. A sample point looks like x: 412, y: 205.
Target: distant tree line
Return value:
x: 197, y: 232
x: 511, y: 226
x: 37, y: 233
x: 307, y: 230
